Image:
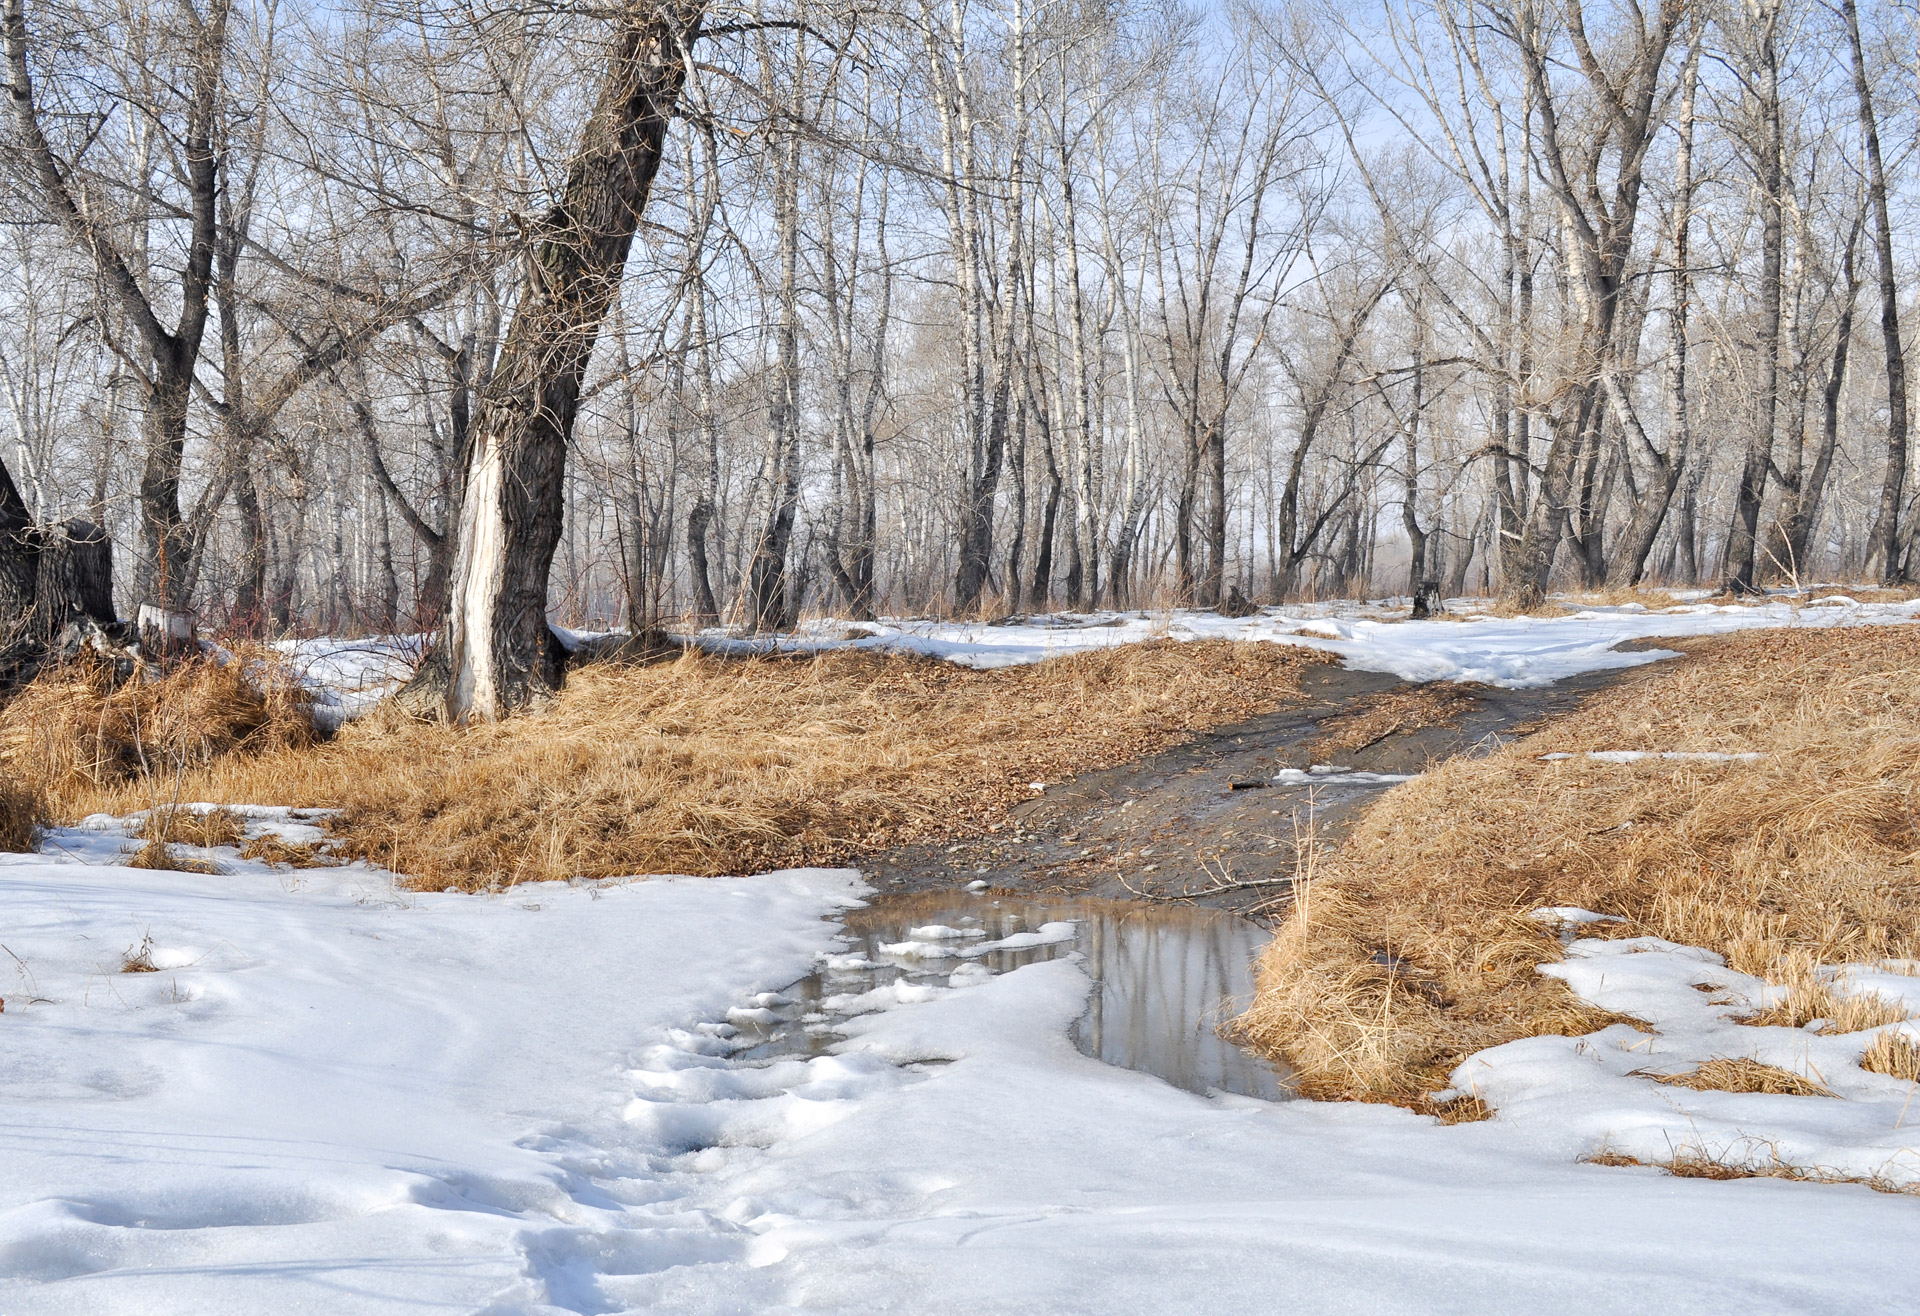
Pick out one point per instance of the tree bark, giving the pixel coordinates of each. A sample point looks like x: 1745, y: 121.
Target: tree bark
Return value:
x: 1882, y: 544
x: 1743, y: 540
x: 501, y: 653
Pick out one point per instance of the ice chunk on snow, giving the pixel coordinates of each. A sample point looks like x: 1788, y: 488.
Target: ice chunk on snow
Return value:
x: 1322, y: 775
x: 1571, y: 914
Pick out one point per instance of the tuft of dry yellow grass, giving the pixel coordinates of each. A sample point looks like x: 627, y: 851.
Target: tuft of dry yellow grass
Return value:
x: 202, y: 827
x: 1724, y: 1074
x: 1413, y: 948
x: 1894, y: 1054
x: 708, y: 765
x: 23, y: 811
x: 82, y: 736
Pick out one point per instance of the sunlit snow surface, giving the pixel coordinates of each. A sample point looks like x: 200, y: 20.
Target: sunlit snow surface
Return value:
x: 347, y: 677
x: 336, y: 1096
x: 1468, y: 645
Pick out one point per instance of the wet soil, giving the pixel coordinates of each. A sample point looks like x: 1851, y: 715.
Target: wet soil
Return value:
x: 1206, y: 823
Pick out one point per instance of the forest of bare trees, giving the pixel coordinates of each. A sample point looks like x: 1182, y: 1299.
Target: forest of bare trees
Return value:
x: 390, y: 314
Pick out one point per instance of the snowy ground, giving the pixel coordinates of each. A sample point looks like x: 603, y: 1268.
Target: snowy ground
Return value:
x: 1467, y: 645
x: 350, y: 676
x: 337, y: 1098
x: 332, y: 1096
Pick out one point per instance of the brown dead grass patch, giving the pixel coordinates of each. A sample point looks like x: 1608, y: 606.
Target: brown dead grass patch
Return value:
x: 1894, y: 1054
x: 708, y: 765
x: 88, y: 738
x: 23, y: 811
x: 163, y: 857
x: 1811, y: 998
x: 1806, y: 855
x: 202, y: 827
x: 1722, y: 1074
x: 1693, y: 1163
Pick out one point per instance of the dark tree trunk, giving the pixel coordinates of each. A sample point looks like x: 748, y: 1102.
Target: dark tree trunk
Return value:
x: 19, y: 560
x: 1215, y: 577
x: 1743, y: 539
x: 1650, y: 510
x: 501, y: 653
x: 1040, y: 595
x: 1805, y: 485
x: 169, y: 545
x: 1884, y: 540
x: 976, y: 538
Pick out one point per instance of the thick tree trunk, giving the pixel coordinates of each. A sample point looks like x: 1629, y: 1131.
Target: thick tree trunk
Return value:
x: 501, y: 654
x: 1884, y: 540
x: 1743, y: 539
x: 167, y: 564
x: 19, y: 564
x: 1650, y: 512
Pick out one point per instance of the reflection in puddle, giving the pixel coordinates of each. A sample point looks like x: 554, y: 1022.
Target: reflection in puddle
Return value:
x: 1165, y: 979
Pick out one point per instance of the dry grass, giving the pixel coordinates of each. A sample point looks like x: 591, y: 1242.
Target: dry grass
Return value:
x: 706, y: 765
x: 23, y: 811
x: 1811, y: 999
x: 163, y: 857
x: 1722, y: 1074
x: 139, y: 959
x: 1894, y: 1054
x: 86, y: 737
x: 272, y: 849
x: 1695, y: 1163
x: 202, y: 827
x: 1413, y: 948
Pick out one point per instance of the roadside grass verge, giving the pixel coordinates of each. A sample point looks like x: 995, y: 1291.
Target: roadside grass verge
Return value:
x: 703, y: 765
x: 1413, y: 947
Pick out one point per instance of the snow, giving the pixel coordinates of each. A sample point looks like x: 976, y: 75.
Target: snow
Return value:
x: 1328, y: 774
x: 1467, y: 645
x: 336, y: 1096
x: 348, y: 677
x: 1580, y: 1095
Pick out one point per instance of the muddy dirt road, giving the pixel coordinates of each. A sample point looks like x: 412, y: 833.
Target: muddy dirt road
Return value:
x: 1208, y: 820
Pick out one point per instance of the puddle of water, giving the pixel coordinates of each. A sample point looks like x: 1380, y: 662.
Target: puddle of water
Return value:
x: 1165, y: 978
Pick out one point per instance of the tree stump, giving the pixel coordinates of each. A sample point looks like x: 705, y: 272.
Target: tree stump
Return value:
x: 1237, y: 604
x: 1427, y: 601
x: 56, y: 595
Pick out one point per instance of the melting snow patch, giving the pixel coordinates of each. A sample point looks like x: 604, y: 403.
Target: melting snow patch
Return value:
x: 1599, y: 1093
x: 1321, y: 774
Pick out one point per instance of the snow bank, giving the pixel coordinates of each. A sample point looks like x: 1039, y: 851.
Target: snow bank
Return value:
x: 337, y: 1097
x: 1469, y: 646
x: 1581, y: 1095
x: 348, y: 677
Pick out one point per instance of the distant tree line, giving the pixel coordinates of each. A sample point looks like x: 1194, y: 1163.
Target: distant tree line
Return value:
x: 396, y: 314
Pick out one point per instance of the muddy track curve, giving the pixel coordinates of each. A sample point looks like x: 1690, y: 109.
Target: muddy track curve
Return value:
x: 1207, y: 821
